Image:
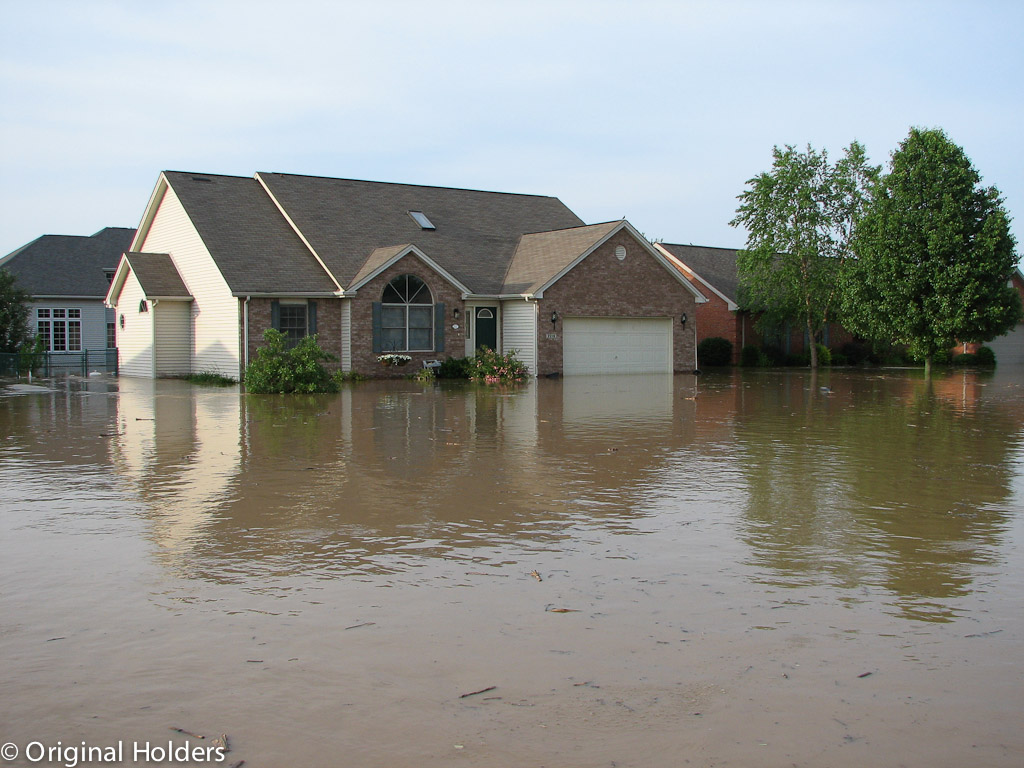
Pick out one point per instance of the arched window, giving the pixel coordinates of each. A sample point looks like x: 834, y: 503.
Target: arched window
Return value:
x: 407, y: 316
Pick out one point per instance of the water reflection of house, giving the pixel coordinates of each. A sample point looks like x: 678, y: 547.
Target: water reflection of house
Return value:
x: 181, y: 450
x: 361, y: 480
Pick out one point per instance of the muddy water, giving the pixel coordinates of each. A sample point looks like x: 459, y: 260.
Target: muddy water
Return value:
x: 745, y: 569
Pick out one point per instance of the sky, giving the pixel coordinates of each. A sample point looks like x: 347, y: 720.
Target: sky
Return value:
x: 657, y: 112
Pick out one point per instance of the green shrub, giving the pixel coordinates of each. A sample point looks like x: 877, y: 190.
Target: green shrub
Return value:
x: 855, y: 352
x: 838, y: 358
x: 455, y: 368
x: 752, y: 357
x: 773, y: 354
x: 965, y: 359
x: 210, y: 378
x: 824, y: 355
x: 425, y: 375
x: 342, y: 376
x: 985, y: 356
x: 714, y: 351
x: 494, y: 368
x: 280, y: 370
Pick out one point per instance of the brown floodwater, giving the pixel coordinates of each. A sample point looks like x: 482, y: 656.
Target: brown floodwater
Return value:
x: 740, y: 569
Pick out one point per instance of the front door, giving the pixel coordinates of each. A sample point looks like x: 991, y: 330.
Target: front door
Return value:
x: 487, y: 327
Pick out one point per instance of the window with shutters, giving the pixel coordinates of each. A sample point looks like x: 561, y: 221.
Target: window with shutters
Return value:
x: 407, y: 316
x: 294, y: 319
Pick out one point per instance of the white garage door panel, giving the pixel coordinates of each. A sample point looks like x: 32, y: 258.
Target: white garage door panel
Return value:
x: 616, y: 345
x: 1009, y: 349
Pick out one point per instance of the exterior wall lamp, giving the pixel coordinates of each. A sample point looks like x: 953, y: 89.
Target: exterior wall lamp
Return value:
x: 682, y: 319
x: 456, y: 313
x: 554, y: 317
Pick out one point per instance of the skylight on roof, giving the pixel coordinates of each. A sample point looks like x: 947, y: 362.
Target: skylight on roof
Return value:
x: 421, y: 218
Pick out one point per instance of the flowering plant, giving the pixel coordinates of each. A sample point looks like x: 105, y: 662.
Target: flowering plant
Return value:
x: 492, y: 368
x: 393, y: 358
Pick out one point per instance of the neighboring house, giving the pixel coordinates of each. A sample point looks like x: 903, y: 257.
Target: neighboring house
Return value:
x: 68, y: 277
x: 1008, y: 348
x: 713, y: 271
x: 373, y: 267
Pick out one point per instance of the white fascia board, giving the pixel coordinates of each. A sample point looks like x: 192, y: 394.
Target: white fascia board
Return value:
x: 732, y: 305
x: 297, y: 231
x: 654, y: 252
x: 412, y: 249
x: 149, y: 213
x: 117, y: 283
x: 289, y: 295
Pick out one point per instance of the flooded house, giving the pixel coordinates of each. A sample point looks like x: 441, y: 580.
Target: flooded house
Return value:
x: 373, y: 267
x: 67, y: 277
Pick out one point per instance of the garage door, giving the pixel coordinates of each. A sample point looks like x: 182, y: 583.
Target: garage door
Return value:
x: 1009, y: 349
x: 616, y: 345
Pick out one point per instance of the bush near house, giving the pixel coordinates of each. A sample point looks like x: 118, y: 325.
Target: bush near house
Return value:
x: 752, y: 357
x: 984, y: 357
x: 277, y: 370
x: 455, y: 368
x: 714, y: 351
x: 492, y: 367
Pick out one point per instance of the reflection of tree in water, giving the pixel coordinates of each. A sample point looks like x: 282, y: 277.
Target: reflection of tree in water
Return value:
x: 878, y: 482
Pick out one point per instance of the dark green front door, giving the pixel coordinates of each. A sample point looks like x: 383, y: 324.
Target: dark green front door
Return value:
x: 487, y: 327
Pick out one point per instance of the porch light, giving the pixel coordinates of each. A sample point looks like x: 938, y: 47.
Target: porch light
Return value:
x: 455, y: 313
x: 683, y: 319
x: 554, y: 317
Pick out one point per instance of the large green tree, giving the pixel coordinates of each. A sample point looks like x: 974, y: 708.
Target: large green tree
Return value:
x: 934, y: 253
x: 14, y: 309
x: 800, y: 218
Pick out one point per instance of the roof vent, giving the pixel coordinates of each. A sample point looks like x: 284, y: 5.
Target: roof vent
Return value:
x: 202, y: 178
x: 421, y: 218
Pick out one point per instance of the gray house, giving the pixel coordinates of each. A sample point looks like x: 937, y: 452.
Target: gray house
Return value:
x: 68, y: 277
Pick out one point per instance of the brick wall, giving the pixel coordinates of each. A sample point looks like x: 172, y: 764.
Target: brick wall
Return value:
x: 364, y: 359
x: 603, y: 286
x: 328, y: 326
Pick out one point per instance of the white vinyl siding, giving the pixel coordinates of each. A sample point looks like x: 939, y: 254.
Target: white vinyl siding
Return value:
x: 172, y: 321
x: 616, y: 345
x: 346, y: 335
x: 214, y: 312
x: 519, y: 331
x: 135, y: 339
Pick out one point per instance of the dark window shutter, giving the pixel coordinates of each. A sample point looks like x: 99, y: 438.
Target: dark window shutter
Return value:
x: 275, y: 315
x: 311, y: 318
x: 439, y: 327
x: 377, y: 309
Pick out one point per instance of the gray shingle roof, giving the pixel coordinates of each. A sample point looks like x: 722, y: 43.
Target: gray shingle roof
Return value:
x: 251, y: 242
x: 69, y: 265
x: 475, y: 237
x: 542, y: 255
x: 157, y: 275
x: 716, y: 265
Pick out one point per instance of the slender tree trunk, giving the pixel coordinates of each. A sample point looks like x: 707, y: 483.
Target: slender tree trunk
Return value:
x: 928, y: 366
x: 814, y: 346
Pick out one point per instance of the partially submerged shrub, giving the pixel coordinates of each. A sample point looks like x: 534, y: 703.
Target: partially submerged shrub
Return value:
x: 752, y: 357
x: 455, y: 368
x: 714, y: 351
x: 985, y: 356
x: 211, y: 378
x: 280, y: 370
x: 494, y: 368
